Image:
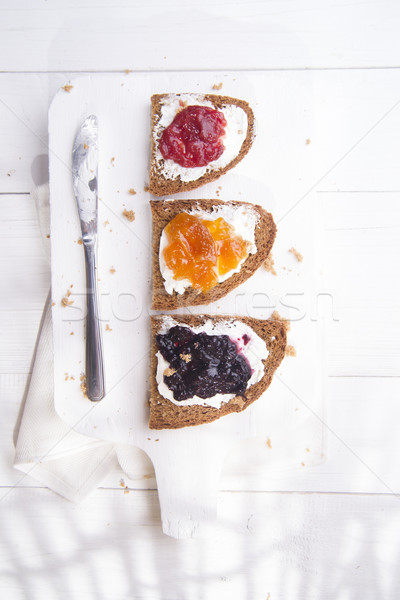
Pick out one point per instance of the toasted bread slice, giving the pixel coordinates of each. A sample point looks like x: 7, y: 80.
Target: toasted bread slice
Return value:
x: 167, y: 177
x: 163, y: 211
x: 164, y: 414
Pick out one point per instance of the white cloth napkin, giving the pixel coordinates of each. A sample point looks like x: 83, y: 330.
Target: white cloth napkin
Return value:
x: 47, y: 449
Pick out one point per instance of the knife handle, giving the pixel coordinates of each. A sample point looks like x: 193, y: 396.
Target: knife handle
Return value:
x: 94, y: 350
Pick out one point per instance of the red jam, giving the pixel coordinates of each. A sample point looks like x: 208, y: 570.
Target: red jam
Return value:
x: 194, y: 138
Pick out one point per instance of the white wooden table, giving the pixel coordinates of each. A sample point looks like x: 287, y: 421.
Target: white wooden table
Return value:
x: 329, y: 531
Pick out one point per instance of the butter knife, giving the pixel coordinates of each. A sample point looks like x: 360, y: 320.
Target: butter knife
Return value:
x: 84, y: 178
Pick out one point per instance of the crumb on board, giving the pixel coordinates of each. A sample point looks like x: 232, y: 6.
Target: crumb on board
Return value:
x: 122, y: 483
x: 307, y: 449
x: 297, y: 254
x: 53, y: 303
x: 131, y: 191
x: 277, y: 317
x: 127, y: 71
x: 66, y: 302
x: 217, y: 86
x: 80, y: 241
x: 146, y: 188
x: 129, y: 214
x: 67, y: 88
x: 72, y: 333
x: 269, y: 443
x: 48, y: 236
x: 308, y: 141
x: 112, y: 161
x: 268, y: 265
x: 112, y: 270
x: 108, y: 328
x: 290, y: 350
x: 148, y: 476
x: 186, y: 357
x: 83, y: 385
x: 303, y: 464
x: 106, y: 223
x: 126, y: 490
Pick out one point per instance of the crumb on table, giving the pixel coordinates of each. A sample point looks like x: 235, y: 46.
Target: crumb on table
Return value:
x: 297, y: 254
x: 108, y: 328
x: 67, y: 87
x: 66, y: 302
x: 290, y: 350
x: 129, y: 214
x: 131, y: 191
x: 146, y: 188
x: 217, y: 86
x: 269, y: 443
x: 268, y: 265
x: 112, y: 270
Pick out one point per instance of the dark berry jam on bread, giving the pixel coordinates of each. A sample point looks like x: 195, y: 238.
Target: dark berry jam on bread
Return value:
x: 202, y: 365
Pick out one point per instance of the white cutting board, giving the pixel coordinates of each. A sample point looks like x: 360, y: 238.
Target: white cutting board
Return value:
x: 277, y: 173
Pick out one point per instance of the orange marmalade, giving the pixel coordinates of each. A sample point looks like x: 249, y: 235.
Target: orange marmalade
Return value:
x: 200, y: 250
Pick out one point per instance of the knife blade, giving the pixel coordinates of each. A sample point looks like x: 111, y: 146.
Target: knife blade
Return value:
x: 84, y: 179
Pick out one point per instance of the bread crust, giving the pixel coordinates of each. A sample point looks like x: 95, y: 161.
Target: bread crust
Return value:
x: 164, y: 414
x: 158, y: 184
x: 163, y: 211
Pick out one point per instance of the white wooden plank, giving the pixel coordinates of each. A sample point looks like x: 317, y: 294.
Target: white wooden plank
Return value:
x: 357, y: 116
x: 24, y: 102
x: 146, y: 36
x: 361, y: 262
x: 274, y: 546
x: 356, y: 149
x: 359, y: 421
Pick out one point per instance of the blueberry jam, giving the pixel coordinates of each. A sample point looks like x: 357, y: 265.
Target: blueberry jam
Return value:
x: 202, y: 365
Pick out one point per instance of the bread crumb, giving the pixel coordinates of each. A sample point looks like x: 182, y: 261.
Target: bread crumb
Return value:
x: 147, y: 476
x: 83, y: 385
x: 277, y: 317
x: 127, y: 71
x: 303, y: 464
x: 108, y: 328
x: 72, y: 333
x: 48, y: 236
x: 290, y: 351
x: 269, y: 443
x: 106, y: 223
x: 183, y: 104
x: 307, y: 449
x: 126, y: 490
x: 53, y: 303
x: 67, y: 88
x: 146, y: 188
x: 131, y: 191
x: 122, y: 483
x: 112, y: 161
x: 308, y: 141
x: 85, y: 146
x: 297, y: 254
x: 129, y: 214
x: 217, y: 86
x: 80, y: 241
x: 268, y: 265
x: 112, y: 270
x: 186, y: 357
x: 66, y: 302
x: 168, y: 372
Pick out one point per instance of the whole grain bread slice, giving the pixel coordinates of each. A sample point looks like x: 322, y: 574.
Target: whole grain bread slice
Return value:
x: 164, y: 414
x: 163, y: 211
x: 159, y: 184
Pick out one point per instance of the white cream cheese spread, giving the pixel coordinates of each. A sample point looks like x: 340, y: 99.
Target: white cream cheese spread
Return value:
x: 235, y: 134
x: 255, y: 351
x: 243, y: 219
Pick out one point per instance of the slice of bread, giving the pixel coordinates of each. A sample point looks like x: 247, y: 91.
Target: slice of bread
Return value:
x: 164, y: 414
x: 163, y: 181
x: 163, y: 211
